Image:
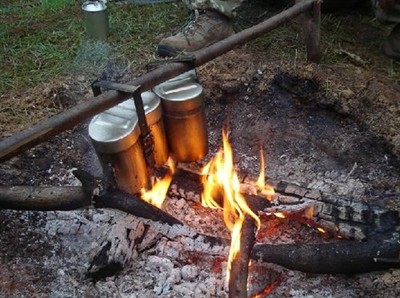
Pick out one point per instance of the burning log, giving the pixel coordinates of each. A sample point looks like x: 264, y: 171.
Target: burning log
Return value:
x: 344, y: 257
x: 133, y: 205
x: 240, y: 265
x: 47, y: 198
x: 342, y: 217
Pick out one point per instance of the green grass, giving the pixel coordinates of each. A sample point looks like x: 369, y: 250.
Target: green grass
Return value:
x: 45, y: 39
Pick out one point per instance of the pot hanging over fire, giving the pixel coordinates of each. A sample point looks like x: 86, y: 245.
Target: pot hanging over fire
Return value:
x: 184, y: 116
x: 115, y: 137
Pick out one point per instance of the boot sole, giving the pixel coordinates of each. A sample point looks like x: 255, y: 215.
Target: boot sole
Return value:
x: 166, y: 51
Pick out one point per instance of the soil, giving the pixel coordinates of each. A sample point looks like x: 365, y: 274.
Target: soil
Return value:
x: 332, y: 127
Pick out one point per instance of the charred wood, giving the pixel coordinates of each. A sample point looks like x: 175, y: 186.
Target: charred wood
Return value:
x: 133, y: 205
x: 240, y: 265
x: 344, y: 217
x: 47, y: 198
x: 43, y: 198
x: 344, y: 257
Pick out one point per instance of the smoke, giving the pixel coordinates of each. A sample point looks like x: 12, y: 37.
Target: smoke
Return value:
x: 98, y: 59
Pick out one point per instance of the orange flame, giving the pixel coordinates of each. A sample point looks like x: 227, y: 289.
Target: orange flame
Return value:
x: 280, y: 215
x: 266, y: 191
x: 261, y: 178
x: 309, y: 212
x: 156, y: 195
x: 222, y: 190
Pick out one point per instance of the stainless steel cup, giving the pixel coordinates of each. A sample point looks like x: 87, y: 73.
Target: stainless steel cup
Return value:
x: 184, y: 117
x: 115, y: 136
x: 96, y: 19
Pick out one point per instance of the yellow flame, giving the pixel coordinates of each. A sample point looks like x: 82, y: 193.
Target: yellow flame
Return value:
x: 280, y: 215
x: 265, y: 190
x: 261, y: 178
x: 156, y: 195
x: 222, y: 190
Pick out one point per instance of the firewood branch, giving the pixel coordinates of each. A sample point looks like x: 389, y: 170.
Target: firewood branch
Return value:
x: 343, y: 257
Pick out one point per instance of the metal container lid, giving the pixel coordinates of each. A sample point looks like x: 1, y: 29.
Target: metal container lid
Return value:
x: 94, y: 6
x: 116, y: 129
x: 152, y: 107
x: 180, y: 95
x: 190, y: 75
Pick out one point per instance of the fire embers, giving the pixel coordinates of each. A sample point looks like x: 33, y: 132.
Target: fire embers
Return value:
x: 222, y: 190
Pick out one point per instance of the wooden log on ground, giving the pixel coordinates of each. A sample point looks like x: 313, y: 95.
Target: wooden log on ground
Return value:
x: 240, y: 265
x: 47, y: 198
x: 344, y: 257
x: 340, y: 216
x: 43, y: 198
x: 133, y: 205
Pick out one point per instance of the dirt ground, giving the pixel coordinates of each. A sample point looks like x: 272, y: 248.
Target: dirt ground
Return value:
x: 330, y: 126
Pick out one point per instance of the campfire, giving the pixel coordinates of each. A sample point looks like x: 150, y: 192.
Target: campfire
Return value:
x: 222, y: 190
x: 186, y: 226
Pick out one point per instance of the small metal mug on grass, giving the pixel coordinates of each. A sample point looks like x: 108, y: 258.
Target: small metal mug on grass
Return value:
x: 96, y: 19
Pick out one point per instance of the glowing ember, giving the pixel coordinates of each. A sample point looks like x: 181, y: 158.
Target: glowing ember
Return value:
x: 279, y: 215
x: 222, y: 190
x: 321, y: 230
x: 156, y: 195
x: 309, y: 212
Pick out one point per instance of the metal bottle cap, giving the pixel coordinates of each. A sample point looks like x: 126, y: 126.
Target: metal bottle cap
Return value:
x: 94, y: 6
x: 116, y: 129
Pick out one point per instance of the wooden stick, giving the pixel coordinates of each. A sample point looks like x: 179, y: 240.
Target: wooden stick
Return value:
x: 344, y: 257
x: 47, y: 198
x: 240, y: 265
x: 43, y: 198
x: 312, y: 28
x: 133, y: 205
x: 43, y: 131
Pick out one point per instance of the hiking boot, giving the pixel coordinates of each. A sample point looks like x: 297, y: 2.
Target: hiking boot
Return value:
x: 205, y: 29
x: 391, y: 46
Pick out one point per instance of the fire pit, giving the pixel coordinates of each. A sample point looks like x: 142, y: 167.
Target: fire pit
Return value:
x: 144, y: 257
x: 333, y: 176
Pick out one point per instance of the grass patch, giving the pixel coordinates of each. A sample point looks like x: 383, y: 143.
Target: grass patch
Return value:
x: 43, y: 39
